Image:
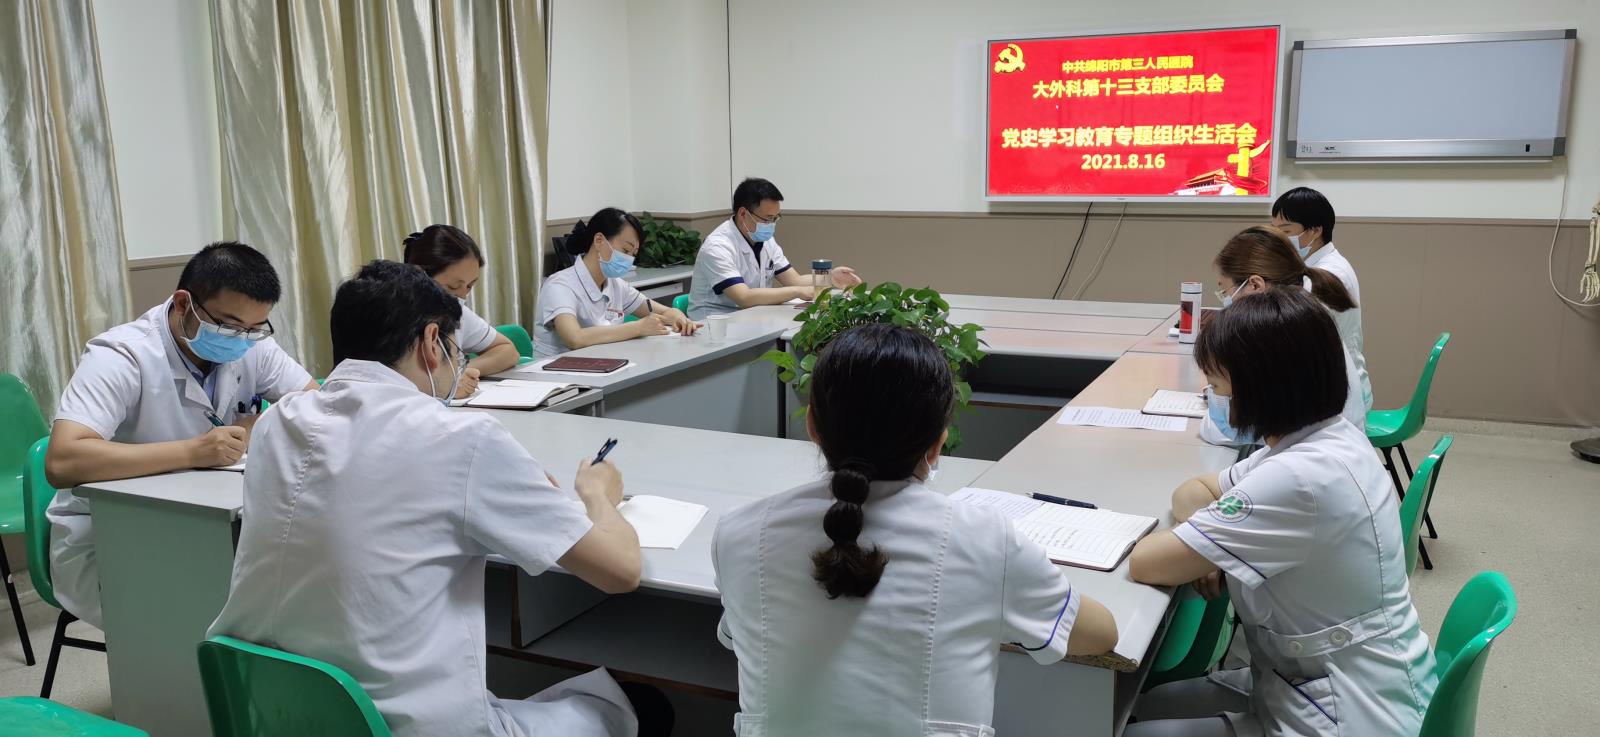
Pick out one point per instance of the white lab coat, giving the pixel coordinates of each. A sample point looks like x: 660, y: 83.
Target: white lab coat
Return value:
x: 1308, y: 535
x: 1330, y: 260
x: 725, y: 259
x: 919, y: 656
x: 369, y: 510
x: 133, y: 386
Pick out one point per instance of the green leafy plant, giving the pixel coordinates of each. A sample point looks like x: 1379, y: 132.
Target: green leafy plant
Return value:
x: 666, y: 243
x: 923, y: 310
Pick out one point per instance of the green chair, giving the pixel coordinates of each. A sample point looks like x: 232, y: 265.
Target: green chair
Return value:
x: 519, y: 337
x: 1388, y: 429
x: 681, y: 303
x: 36, y: 496
x: 1415, y: 501
x: 1484, y: 608
x: 22, y: 427
x: 1197, y: 638
x: 256, y: 691
x: 25, y: 716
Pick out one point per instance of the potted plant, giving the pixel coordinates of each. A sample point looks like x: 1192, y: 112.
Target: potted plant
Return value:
x: 922, y: 310
x: 666, y: 243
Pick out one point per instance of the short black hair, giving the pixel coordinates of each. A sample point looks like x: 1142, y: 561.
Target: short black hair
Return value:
x: 608, y: 222
x: 438, y: 247
x: 232, y: 266
x: 384, y: 308
x: 1281, y: 351
x: 752, y: 192
x: 1307, y: 208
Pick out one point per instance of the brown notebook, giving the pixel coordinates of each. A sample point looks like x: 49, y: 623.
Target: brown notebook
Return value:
x: 585, y: 365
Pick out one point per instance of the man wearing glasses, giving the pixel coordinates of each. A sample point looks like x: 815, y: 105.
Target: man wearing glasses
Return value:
x: 741, y: 265
x: 177, y: 388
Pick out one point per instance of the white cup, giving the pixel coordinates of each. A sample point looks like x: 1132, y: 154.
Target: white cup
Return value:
x: 717, y: 328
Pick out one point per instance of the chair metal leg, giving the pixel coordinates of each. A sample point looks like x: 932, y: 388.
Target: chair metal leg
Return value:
x: 1422, y: 549
x: 1428, y: 521
x: 1406, y: 460
x: 1388, y: 462
x: 55, y: 653
x: 16, y: 608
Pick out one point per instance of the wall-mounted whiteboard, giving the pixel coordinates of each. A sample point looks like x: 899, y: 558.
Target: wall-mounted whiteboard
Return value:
x: 1431, y: 98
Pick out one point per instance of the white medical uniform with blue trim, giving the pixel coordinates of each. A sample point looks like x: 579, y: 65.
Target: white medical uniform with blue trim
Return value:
x: 726, y: 258
x: 917, y: 657
x: 1308, y: 535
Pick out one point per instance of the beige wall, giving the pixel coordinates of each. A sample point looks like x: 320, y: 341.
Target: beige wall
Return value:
x: 1518, y: 353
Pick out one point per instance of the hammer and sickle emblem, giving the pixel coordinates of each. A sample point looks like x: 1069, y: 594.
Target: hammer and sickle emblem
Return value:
x: 1009, y: 60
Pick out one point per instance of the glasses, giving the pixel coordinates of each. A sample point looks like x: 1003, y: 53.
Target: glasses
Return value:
x: 759, y: 219
x: 458, y: 356
x: 229, y: 330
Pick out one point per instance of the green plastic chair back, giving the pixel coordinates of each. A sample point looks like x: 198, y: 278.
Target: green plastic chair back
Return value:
x: 1197, y: 636
x: 1417, y: 494
x: 519, y: 337
x: 681, y: 303
x: 36, y: 496
x: 21, y: 427
x: 256, y: 691
x: 1387, y: 428
x: 28, y: 716
x: 1484, y: 608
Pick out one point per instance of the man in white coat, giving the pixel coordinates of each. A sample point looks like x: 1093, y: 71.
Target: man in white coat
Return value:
x: 370, y: 509
x: 177, y: 388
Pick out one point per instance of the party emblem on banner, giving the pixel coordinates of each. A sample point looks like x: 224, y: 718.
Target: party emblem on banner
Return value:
x: 1009, y: 60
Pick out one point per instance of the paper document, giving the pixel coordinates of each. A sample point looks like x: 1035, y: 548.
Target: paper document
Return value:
x: 517, y: 394
x: 661, y: 522
x: 1176, y: 404
x: 238, y: 467
x: 1113, y: 417
x: 1074, y: 536
x: 537, y: 369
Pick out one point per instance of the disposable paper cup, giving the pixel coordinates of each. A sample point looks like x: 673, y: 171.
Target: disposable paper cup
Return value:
x: 717, y: 328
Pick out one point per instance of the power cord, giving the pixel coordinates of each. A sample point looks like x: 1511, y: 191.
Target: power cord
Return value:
x: 1110, y: 241
x: 1589, y: 283
x: 1084, y: 228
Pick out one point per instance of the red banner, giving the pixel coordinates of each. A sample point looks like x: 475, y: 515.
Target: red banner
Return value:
x: 1143, y: 115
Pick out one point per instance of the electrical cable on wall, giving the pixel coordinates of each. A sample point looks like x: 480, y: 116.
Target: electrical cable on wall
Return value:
x: 1588, y: 281
x: 1110, y: 241
x: 1084, y: 228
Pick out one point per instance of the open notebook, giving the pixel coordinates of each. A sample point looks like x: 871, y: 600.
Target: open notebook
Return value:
x: 1176, y: 404
x: 518, y: 394
x: 1087, y: 538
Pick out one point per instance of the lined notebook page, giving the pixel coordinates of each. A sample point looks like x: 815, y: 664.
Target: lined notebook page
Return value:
x: 1176, y: 404
x: 1074, y: 536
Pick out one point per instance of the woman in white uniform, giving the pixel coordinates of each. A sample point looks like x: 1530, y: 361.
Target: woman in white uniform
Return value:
x: 1306, y: 218
x: 1306, y: 533
x: 865, y: 603
x: 370, y: 509
x: 454, y: 260
x: 1249, y: 263
x: 588, y: 303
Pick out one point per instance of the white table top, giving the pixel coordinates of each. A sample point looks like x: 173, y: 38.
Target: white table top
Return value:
x: 990, y: 319
x: 207, y: 490
x: 656, y: 356
x: 649, y: 277
x: 1060, y: 306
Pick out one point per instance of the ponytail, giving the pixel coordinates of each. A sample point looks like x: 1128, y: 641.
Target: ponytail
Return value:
x: 881, y: 398
x: 1329, y: 289
x: 845, y: 568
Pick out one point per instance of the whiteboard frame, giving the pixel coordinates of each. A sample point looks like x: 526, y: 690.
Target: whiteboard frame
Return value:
x: 1277, y: 121
x: 1431, y: 150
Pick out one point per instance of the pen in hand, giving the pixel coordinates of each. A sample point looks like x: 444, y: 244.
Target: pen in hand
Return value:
x: 605, y: 450
x: 215, y: 420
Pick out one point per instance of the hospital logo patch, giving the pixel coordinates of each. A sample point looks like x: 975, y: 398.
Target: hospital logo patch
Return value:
x: 1234, y: 506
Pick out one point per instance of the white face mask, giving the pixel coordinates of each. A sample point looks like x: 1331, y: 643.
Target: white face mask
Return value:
x: 1304, y: 251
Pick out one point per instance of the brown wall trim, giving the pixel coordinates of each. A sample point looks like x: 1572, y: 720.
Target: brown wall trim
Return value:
x: 1110, y: 210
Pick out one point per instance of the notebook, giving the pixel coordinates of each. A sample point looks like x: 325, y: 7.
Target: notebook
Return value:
x: 661, y: 522
x: 585, y: 365
x: 1096, y: 539
x: 1115, y: 417
x: 518, y: 394
x: 1176, y: 404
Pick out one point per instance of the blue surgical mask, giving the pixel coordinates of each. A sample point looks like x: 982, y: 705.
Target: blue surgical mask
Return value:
x: 1220, y: 409
x: 1304, y: 251
x: 617, y: 266
x: 211, y: 345
x: 763, y: 231
x: 1228, y: 300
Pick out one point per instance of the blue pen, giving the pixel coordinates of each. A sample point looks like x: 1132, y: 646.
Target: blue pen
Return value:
x: 1062, y: 500
x: 215, y: 420
x: 605, y: 450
